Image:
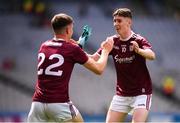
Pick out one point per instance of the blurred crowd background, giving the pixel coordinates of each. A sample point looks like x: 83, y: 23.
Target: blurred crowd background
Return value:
x: 25, y: 24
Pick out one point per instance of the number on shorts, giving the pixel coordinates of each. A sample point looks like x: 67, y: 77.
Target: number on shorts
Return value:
x: 48, y: 70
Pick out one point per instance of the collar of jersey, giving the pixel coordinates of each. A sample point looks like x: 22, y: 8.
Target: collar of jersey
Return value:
x: 127, y: 37
x: 58, y: 39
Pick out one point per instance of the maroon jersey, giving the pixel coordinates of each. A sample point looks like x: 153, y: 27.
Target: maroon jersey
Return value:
x: 56, y: 62
x: 132, y: 74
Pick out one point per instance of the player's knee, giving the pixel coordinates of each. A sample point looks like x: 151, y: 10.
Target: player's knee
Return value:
x: 139, y: 117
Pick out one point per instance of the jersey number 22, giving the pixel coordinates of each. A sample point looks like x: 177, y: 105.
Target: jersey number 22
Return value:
x: 48, y: 70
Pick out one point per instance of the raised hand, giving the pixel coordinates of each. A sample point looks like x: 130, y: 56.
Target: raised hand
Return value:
x: 85, y: 35
x: 135, y: 46
x: 108, y: 44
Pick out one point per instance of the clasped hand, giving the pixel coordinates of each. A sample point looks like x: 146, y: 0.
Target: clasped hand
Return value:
x: 107, y: 44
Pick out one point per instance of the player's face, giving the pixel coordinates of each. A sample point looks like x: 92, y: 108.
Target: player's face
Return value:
x: 121, y: 24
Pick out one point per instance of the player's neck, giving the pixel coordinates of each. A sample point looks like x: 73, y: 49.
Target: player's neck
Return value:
x: 61, y: 36
x: 126, y: 35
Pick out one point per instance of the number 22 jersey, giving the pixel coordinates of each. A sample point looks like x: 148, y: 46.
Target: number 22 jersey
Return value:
x: 56, y: 59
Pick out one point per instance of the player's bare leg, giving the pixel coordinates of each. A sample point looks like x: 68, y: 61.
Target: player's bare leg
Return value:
x: 140, y: 115
x: 77, y: 118
x: 114, y: 116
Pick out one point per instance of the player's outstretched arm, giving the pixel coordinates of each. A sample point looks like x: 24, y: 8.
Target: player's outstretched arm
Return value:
x: 99, y: 66
x: 94, y: 56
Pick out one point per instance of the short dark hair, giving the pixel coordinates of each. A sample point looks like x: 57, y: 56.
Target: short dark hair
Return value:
x: 59, y: 21
x: 124, y: 12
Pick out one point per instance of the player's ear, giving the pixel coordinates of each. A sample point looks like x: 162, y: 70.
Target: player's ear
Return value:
x: 67, y: 30
x: 130, y: 21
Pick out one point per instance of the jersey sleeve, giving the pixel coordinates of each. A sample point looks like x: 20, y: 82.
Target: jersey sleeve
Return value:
x: 145, y: 44
x: 80, y: 56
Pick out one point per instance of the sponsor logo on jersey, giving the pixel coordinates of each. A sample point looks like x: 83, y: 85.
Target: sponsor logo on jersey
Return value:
x: 124, y: 60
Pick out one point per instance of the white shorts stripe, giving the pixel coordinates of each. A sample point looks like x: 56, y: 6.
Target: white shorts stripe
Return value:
x: 148, y: 100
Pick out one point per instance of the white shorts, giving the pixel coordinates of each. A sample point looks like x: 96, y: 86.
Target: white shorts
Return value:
x: 52, y: 112
x: 128, y: 104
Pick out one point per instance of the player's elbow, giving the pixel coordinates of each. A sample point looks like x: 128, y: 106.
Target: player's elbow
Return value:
x: 152, y: 57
